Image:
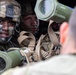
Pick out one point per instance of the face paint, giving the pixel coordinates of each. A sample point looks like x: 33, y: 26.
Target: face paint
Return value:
x: 5, y: 35
x: 11, y: 30
x: 1, y: 28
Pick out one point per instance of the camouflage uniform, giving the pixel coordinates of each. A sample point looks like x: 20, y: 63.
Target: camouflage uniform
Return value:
x: 10, y: 9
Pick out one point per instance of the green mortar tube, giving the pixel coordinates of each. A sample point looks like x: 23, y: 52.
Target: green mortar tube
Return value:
x: 52, y: 10
x: 10, y: 59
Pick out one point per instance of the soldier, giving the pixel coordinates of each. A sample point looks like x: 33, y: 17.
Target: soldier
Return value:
x: 9, y: 20
x: 30, y: 22
x: 64, y: 64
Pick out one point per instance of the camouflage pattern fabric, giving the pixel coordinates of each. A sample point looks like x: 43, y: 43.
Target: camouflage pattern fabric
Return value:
x: 8, y: 9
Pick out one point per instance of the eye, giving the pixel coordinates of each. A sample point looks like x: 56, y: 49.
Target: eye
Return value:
x: 12, y: 23
x: 1, y: 19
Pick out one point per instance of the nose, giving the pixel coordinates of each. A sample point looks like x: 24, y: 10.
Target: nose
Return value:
x: 34, y: 21
x: 5, y: 25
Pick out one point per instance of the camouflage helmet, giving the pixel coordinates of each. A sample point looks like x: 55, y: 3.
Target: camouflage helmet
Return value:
x: 10, y: 8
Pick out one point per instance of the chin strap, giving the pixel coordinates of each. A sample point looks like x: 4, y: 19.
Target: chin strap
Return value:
x: 17, y: 28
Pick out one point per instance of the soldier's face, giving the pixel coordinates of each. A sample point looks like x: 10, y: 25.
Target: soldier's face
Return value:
x: 6, y: 28
x: 31, y: 23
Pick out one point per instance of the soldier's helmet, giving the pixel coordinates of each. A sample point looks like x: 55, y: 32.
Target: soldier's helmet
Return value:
x: 10, y: 8
x: 27, y: 9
